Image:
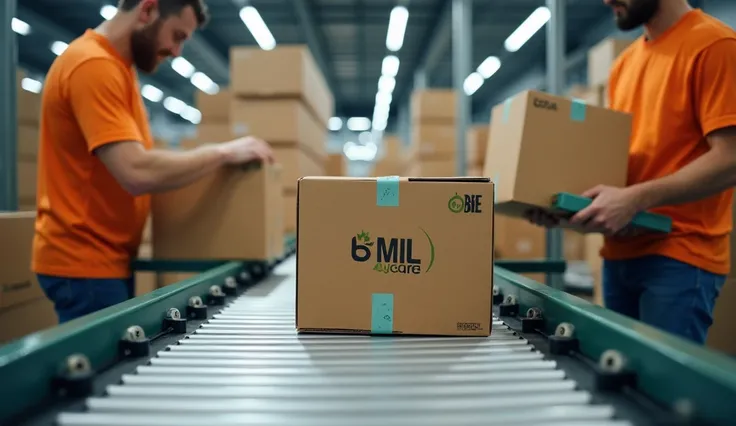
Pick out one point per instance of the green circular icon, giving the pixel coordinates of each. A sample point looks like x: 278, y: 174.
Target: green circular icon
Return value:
x: 456, y: 204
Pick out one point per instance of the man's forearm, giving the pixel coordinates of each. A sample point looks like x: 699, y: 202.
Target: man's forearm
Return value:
x: 168, y: 170
x: 710, y: 174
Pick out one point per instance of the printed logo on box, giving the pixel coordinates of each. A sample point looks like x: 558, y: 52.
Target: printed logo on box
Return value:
x: 393, y: 255
x: 466, y: 203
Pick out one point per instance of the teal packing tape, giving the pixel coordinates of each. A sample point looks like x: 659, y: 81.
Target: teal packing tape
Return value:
x: 382, y: 313
x: 387, y: 191
x: 577, y: 110
x: 507, y: 109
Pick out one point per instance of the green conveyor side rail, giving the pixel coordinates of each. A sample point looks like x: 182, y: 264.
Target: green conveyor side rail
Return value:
x: 571, y: 203
x: 532, y: 266
x: 28, y: 364
x: 669, y: 369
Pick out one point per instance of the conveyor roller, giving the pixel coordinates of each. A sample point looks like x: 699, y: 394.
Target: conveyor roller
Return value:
x: 248, y: 366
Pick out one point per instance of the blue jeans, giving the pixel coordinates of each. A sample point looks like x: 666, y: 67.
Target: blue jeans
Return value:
x: 664, y: 293
x: 76, y: 297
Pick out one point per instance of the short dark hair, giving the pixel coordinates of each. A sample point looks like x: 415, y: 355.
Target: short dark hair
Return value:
x: 172, y: 7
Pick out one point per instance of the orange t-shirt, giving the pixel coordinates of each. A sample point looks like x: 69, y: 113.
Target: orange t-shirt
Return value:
x: 679, y: 88
x: 87, y: 225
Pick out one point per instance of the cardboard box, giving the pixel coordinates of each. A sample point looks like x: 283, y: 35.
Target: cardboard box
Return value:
x: 214, y: 108
x: 296, y: 163
x: 589, y: 95
x: 17, y: 283
x: 518, y: 239
x: 397, y: 263
x: 27, y: 180
x: 279, y: 122
x: 289, y: 213
x: 26, y: 318
x: 477, y: 144
x: 552, y: 145
x: 434, y: 105
x: 213, y: 133
x: 601, y: 58
x: 231, y: 214
x: 335, y: 165
x: 433, y: 141
x: 474, y: 171
x: 436, y: 168
x: 284, y: 72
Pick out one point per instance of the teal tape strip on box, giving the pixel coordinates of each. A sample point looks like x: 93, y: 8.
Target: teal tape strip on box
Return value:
x: 382, y: 313
x: 507, y: 109
x: 387, y: 191
x: 577, y: 110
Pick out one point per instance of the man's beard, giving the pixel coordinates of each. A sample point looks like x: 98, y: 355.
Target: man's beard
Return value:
x: 638, y: 13
x: 144, y: 49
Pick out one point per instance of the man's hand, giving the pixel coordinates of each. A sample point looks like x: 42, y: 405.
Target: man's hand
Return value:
x: 610, y: 212
x: 246, y: 149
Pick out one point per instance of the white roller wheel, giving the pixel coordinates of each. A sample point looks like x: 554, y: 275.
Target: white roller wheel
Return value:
x: 496, y: 291
x: 215, y: 290
x: 510, y: 300
x: 612, y: 361
x: 134, y: 333
x: 195, y: 301
x: 534, y: 313
x: 174, y: 314
x: 565, y: 330
x: 230, y: 282
x: 78, y: 364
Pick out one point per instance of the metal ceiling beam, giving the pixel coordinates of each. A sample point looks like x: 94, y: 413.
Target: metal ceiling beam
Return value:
x: 56, y: 32
x: 316, y: 43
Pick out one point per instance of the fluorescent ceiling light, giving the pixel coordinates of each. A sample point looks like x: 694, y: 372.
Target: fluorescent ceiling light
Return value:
x: 152, y: 93
x: 174, y: 105
x: 58, y: 47
x: 253, y: 21
x: 191, y: 114
x: 183, y: 67
x: 383, y: 98
x: 359, y: 124
x: 204, y: 83
x: 386, y: 84
x: 527, y: 29
x: 396, y: 28
x: 390, y: 66
x: 108, y: 12
x: 356, y: 152
x: 20, y: 27
x: 472, y: 83
x: 489, y: 67
x: 31, y: 85
x: 334, y: 124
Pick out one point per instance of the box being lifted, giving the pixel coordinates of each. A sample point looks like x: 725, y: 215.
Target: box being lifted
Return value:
x: 231, y: 214
x: 394, y: 255
x: 544, y: 145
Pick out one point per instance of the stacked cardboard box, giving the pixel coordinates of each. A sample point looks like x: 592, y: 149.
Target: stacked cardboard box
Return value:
x: 335, y: 165
x: 281, y: 96
x: 433, y: 114
x: 215, y: 124
x: 395, y: 160
x: 476, y: 145
x: 24, y: 308
x: 29, y: 114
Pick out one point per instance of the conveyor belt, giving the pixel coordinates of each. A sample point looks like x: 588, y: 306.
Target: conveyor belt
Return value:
x: 247, y: 366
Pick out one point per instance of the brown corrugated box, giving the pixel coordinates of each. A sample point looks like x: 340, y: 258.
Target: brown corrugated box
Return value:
x: 232, y: 214
x: 214, y: 108
x: 289, y: 212
x: 335, y: 165
x: 413, y: 257
x: 552, y: 145
x: 288, y: 71
x: 435, y: 168
x: 395, y: 158
x: 601, y: 58
x: 24, y: 308
x: 433, y: 141
x: 433, y: 105
x: 296, y: 163
x: 477, y: 144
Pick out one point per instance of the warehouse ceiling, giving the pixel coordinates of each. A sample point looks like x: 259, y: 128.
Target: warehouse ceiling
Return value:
x: 347, y: 37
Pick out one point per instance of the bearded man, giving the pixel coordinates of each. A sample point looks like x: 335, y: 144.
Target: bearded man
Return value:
x: 97, y: 165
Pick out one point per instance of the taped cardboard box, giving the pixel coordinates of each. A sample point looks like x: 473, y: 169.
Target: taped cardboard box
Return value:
x: 404, y: 255
x: 550, y: 145
x: 214, y: 108
x: 231, y: 214
x: 434, y: 105
x: 296, y: 163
